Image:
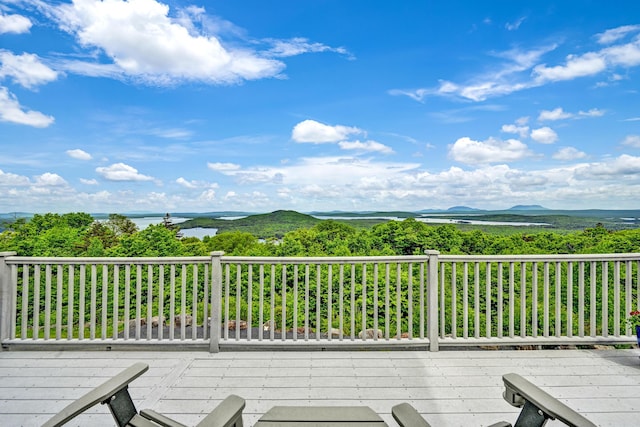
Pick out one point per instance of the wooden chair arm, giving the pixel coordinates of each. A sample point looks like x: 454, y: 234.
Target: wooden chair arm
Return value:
x: 160, y: 419
x: 518, y: 390
x: 98, y: 395
x: 227, y: 414
x: 407, y: 416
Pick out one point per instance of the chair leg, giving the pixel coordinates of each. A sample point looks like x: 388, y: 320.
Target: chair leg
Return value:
x: 122, y: 407
x: 531, y: 416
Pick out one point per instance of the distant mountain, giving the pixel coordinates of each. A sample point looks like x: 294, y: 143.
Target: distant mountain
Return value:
x: 528, y: 208
x: 462, y: 209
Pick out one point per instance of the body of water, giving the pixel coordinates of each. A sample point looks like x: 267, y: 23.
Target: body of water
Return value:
x: 199, y: 232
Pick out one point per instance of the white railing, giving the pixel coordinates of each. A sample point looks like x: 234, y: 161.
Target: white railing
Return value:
x: 329, y: 302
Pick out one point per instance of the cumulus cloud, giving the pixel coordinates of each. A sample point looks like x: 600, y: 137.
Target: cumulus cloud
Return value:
x: 552, y: 115
x: 620, y: 167
x: 366, y: 146
x: 569, y: 153
x: 50, y: 179
x: 632, y: 141
x: 467, y: 150
x: 12, y: 111
x: 318, y: 133
x: 121, y: 172
x: 26, y: 70
x: 544, y: 135
x: 12, y: 179
x: 16, y: 24
x: 88, y: 181
x: 79, y: 154
x: 522, y: 131
x: 146, y: 43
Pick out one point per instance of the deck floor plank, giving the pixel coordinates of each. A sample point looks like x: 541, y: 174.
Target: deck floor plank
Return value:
x: 449, y: 388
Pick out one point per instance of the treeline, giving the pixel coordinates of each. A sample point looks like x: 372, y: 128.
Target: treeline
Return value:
x: 79, y: 234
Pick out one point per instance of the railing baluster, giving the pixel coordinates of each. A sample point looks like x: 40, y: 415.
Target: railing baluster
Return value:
x: 593, y: 302
x: 47, y: 302
x: 81, y: 302
x: 138, y: 306
x: 92, y: 303
x: 558, y: 300
x: 523, y: 299
x: 261, y: 304
x: 512, y: 297
x: 70, y: 299
x: 283, y: 284
x: 488, y: 300
x: 272, y: 318
x: 376, y: 267
x: 398, y: 302
x: 24, y: 321
x: 295, y: 302
x: 364, y: 301
x: 249, y: 300
x: 616, y: 298
x: 409, y: 302
x: 605, y: 298
x: 570, y: 299
x: 161, y: 319
x: 581, y: 299
x: 36, y: 302
x: 534, y: 299
x: 476, y: 299
x: 127, y: 299
x: 353, y: 302
x: 465, y: 300
x: 500, y: 314
x: 116, y: 299
x: 318, y: 300
x: 546, y: 299
x: 306, y: 301
x: 194, y: 304
x: 149, y: 301
x: 59, y: 301
x: 341, y: 302
x: 105, y: 301
x: 183, y: 302
x: 329, y: 302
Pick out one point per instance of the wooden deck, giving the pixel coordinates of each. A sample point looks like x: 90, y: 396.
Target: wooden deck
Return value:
x: 450, y: 388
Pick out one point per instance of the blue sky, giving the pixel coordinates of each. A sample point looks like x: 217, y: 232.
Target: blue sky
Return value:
x: 120, y: 106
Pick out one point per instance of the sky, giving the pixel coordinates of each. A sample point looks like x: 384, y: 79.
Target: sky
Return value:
x: 318, y: 105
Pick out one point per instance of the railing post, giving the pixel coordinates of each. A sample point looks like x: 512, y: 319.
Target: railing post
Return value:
x: 432, y: 299
x: 216, y: 301
x: 7, y: 302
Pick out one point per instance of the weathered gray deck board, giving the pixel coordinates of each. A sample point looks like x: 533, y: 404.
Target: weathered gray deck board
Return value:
x: 450, y: 388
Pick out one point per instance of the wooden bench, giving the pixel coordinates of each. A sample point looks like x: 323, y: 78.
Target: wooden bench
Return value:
x: 115, y: 394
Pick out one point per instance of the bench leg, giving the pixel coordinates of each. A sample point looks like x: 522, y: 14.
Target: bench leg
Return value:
x: 122, y: 407
x: 531, y: 416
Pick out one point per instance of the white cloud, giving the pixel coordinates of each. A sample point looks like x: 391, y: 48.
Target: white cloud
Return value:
x: 185, y: 183
x: 223, y: 167
x: 12, y: 111
x: 512, y: 26
x: 88, y: 181
x: 50, y: 179
x: 366, y: 146
x: 318, y: 133
x: 11, y: 179
x: 121, y: 172
x: 16, y: 24
x: 632, y: 141
x: 614, y: 34
x: 594, y: 112
x: 617, y: 168
x: 26, y: 70
x: 575, y: 66
x: 146, y: 43
x: 468, y: 151
x: 544, y: 135
x: 560, y: 114
x: 569, y: 153
x: 208, y: 195
x: 522, y: 131
x: 555, y: 114
x: 79, y: 154
x: 300, y: 45
x: 522, y: 69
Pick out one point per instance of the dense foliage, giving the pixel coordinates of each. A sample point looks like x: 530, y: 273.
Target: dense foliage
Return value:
x: 78, y: 234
